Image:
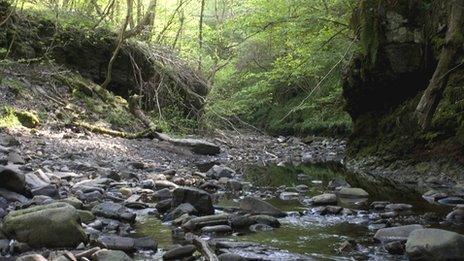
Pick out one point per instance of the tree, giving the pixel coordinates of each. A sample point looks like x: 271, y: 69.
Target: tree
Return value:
x: 453, y: 42
x: 124, y: 34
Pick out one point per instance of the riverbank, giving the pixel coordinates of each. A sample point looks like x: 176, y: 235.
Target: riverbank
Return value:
x: 142, y: 196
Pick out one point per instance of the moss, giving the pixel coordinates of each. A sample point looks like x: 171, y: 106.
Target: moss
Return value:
x: 28, y: 119
x: 11, y: 118
x: 8, y: 118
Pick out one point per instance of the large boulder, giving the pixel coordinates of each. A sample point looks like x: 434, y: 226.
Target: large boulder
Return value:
x: 390, y: 234
x: 199, y: 199
x: 54, y: 225
x: 256, y: 206
x: 435, y: 244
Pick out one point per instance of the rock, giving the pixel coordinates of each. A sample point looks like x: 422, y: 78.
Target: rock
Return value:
x: 389, y: 214
x: 451, y: 201
x: 205, y: 221
x: 435, y: 244
x: 231, y: 257
x: 265, y: 219
x: 352, y: 193
x: 92, y: 196
x: 12, y: 179
x: 49, y: 190
x: 37, y: 180
x: 219, y: 229
x: 85, y: 216
x: 379, y: 205
x: 220, y: 171
x: 184, y: 208
x: 73, y: 201
x: 434, y: 195
x: 31, y: 257
x: 179, y: 252
x: 13, y: 196
x: 333, y: 210
x: 256, y: 206
x: 146, y: 243
x: 289, y: 195
x: 8, y: 141
x: 163, y: 206
x: 198, y: 198
x: 114, y: 211
x: 54, y: 225
x: 324, y: 199
x: 15, y: 158
x: 302, y: 188
x: 233, y: 185
x: 457, y: 215
x: 161, y: 184
x: 390, y: 234
x: 110, y: 255
x: 199, y: 146
x: 163, y: 194
x: 398, y: 207
x: 260, y: 227
x: 395, y: 247
x: 113, y: 242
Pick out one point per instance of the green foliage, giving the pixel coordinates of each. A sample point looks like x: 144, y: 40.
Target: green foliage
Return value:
x: 273, y: 79
x: 8, y: 118
x: 270, y: 62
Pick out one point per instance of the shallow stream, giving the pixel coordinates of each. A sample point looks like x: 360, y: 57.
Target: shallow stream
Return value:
x: 306, y: 234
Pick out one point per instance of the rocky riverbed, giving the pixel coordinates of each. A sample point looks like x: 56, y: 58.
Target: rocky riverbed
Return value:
x: 67, y: 194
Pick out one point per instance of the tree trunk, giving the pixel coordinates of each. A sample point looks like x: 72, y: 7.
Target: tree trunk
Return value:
x: 200, y: 34
x: 433, y: 94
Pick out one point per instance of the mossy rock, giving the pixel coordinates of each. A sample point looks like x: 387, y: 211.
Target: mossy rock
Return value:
x: 28, y: 119
x: 54, y: 225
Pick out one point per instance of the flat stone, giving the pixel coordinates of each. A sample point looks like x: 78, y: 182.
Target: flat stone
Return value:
x: 398, y: 207
x: 219, y: 229
x: 13, y: 196
x: 113, y: 242
x: 451, y: 201
x: 114, y: 211
x: 390, y: 234
x: 179, y: 252
x: 110, y: 255
x: 352, y: 193
x: 289, y: 195
x: 256, y: 206
x: 324, y: 199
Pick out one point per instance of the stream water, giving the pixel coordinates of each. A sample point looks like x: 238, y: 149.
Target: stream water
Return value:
x: 306, y: 234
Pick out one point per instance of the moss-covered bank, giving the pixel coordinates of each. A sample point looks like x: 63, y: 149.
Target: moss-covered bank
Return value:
x: 401, y: 43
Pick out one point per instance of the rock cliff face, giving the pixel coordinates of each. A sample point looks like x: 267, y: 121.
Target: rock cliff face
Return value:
x: 400, y: 44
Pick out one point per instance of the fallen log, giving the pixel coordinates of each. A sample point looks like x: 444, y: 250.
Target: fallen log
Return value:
x: 203, y: 247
